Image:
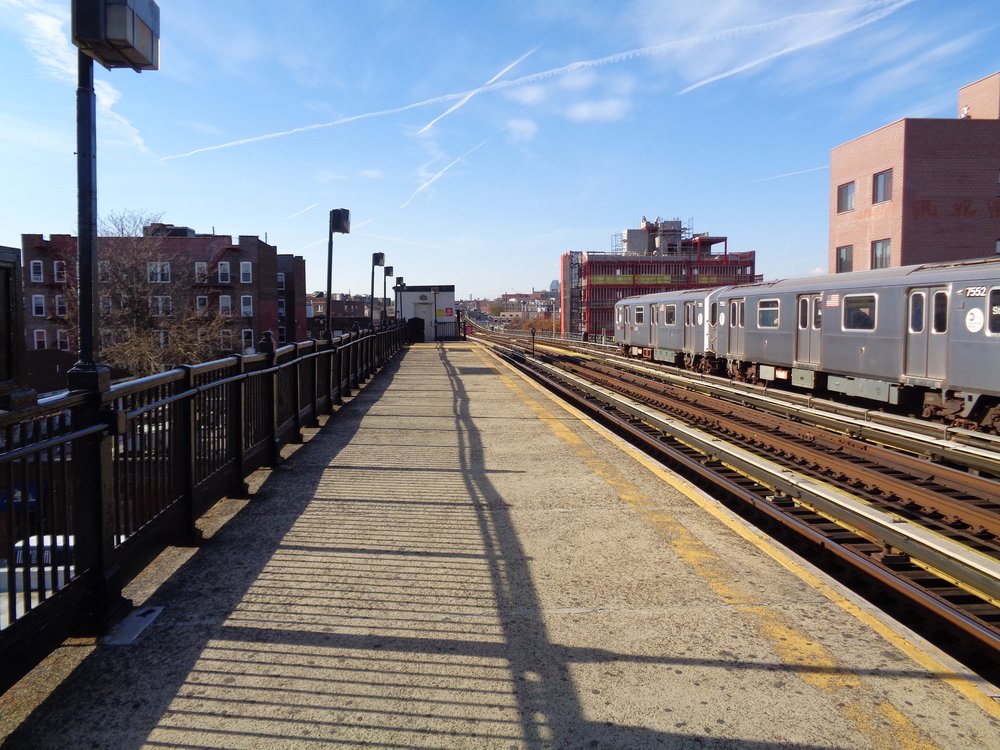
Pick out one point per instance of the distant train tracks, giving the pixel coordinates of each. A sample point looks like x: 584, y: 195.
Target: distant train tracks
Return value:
x: 906, y: 521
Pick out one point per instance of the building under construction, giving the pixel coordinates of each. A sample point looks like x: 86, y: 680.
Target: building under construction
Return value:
x: 658, y: 256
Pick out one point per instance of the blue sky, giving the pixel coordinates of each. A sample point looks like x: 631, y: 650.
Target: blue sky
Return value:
x: 475, y: 142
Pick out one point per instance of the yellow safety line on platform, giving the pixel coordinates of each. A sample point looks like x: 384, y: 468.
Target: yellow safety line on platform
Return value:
x: 790, y: 643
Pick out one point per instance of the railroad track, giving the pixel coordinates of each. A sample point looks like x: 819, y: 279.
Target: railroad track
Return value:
x: 924, y: 533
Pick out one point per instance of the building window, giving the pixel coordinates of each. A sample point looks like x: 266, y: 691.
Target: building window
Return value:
x: 158, y: 273
x: 38, y: 305
x: 164, y: 339
x: 59, y: 271
x: 247, y: 335
x: 767, y: 313
x: 282, y: 337
x: 881, y: 254
x: 845, y: 197
x: 223, y: 271
x: 246, y: 272
x: 62, y: 340
x: 60, y: 306
x: 281, y: 307
x: 105, y: 305
x: 161, y: 306
x: 998, y: 247
x: 882, y: 187
x: 225, y: 305
x: 37, y: 272
x: 200, y: 272
x: 103, y: 271
x: 859, y: 312
x: 40, y: 338
x: 246, y: 306
x: 226, y: 340
x: 201, y: 303
x: 281, y: 282
x: 845, y: 258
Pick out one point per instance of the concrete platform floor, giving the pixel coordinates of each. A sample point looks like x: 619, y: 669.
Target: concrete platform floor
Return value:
x: 457, y: 560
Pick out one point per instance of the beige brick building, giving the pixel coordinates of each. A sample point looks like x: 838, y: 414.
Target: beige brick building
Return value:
x: 920, y: 190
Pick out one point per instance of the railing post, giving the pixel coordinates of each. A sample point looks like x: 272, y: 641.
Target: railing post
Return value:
x: 296, y: 395
x: 187, y: 437
x: 236, y: 419
x: 94, y: 522
x: 266, y: 346
x: 336, y: 376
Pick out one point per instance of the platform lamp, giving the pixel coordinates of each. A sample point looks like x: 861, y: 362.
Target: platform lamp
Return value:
x: 385, y: 300
x: 340, y: 222
x: 378, y: 259
x: 118, y: 34
x: 399, y: 288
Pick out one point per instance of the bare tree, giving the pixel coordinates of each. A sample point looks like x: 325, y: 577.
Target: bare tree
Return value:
x: 148, y: 314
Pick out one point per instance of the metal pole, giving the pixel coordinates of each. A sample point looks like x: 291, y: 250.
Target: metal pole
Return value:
x: 371, y: 307
x: 329, y: 278
x: 86, y: 373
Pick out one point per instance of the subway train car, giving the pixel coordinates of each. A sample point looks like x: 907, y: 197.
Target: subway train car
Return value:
x: 925, y: 338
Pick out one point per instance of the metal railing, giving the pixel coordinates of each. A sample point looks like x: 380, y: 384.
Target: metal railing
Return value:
x: 94, y: 485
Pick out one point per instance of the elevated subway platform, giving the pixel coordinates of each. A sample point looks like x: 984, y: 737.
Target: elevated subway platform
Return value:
x: 457, y: 560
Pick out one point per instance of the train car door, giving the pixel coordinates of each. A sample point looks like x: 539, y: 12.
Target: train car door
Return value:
x: 654, y: 320
x: 808, y: 329
x: 736, y: 323
x: 926, y: 332
x: 691, y: 327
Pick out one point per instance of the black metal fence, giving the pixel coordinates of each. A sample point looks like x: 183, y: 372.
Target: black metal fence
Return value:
x: 94, y: 485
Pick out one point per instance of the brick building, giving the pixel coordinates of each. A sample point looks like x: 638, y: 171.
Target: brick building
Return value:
x: 659, y: 256
x: 291, y: 293
x: 185, y: 270
x: 920, y: 190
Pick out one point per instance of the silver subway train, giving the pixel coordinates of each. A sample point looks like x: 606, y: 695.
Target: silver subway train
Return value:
x: 924, y: 338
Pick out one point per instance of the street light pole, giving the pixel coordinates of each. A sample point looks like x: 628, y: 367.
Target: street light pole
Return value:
x: 378, y: 259
x: 340, y: 222
x: 385, y: 300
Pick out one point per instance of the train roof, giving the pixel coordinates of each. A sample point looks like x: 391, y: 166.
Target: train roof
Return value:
x: 938, y: 272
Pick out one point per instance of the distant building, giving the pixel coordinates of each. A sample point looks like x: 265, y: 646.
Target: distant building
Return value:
x: 345, y: 311
x: 291, y: 292
x: 658, y: 256
x: 434, y: 305
x: 919, y: 190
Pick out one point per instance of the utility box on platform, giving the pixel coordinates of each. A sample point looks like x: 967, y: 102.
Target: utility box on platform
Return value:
x: 435, y: 305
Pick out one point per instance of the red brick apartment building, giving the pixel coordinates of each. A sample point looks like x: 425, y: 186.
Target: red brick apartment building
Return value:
x: 659, y: 256
x: 920, y: 190
x: 241, y: 280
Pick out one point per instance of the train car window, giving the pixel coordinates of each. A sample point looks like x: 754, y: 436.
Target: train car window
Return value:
x: 638, y: 315
x: 916, y: 312
x: 625, y: 315
x: 669, y: 315
x: 940, y: 312
x: 619, y: 318
x: 654, y: 316
x: 713, y: 314
x: 859, y: 312
x: 767, y: 313
x: 803, y: 313
x: 687, y: 315
x: 994, y: 310
x: 732, y: 313
x: 817, y: 313
x: 743, y: 313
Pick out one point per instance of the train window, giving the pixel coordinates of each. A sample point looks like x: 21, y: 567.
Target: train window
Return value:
x: 767, y: 313
x: 619, y: 316
x: 817, y: 313
x: 638, y: 315
x: 654, y: 315
x: 916, y: 312
x: 803, y: 313
x: 687, y: 314
x: 994, y: 310
x: 859, y: 312
x: 625, y: 316
x: 732, y: 313
x: 940, y: 312
x: 713, y: 314
x: 743, y: 313
x: 669, y: 315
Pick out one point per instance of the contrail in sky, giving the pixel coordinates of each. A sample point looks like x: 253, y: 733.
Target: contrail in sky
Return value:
x: 435, y: 177
x: 464, y: 100
x: 791, y: 174
x: 299, y: 213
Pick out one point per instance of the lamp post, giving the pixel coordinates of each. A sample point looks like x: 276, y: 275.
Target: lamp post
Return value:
x: 378, y: 259
x: 117, y: 35
x: 385, y: 300
x: 340, y: 222
x: 398, y: 290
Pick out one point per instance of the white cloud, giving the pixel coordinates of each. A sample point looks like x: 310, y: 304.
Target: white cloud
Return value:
x: 371, y: 174
x: 522, y: 130
x: 605, y: 110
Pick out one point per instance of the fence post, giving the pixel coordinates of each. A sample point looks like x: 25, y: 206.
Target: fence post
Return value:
x: 336, y: 377
x: 187, y: 436
x: 266, y: 346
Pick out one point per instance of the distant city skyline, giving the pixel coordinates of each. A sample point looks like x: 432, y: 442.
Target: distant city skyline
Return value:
x: 475, y: 143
